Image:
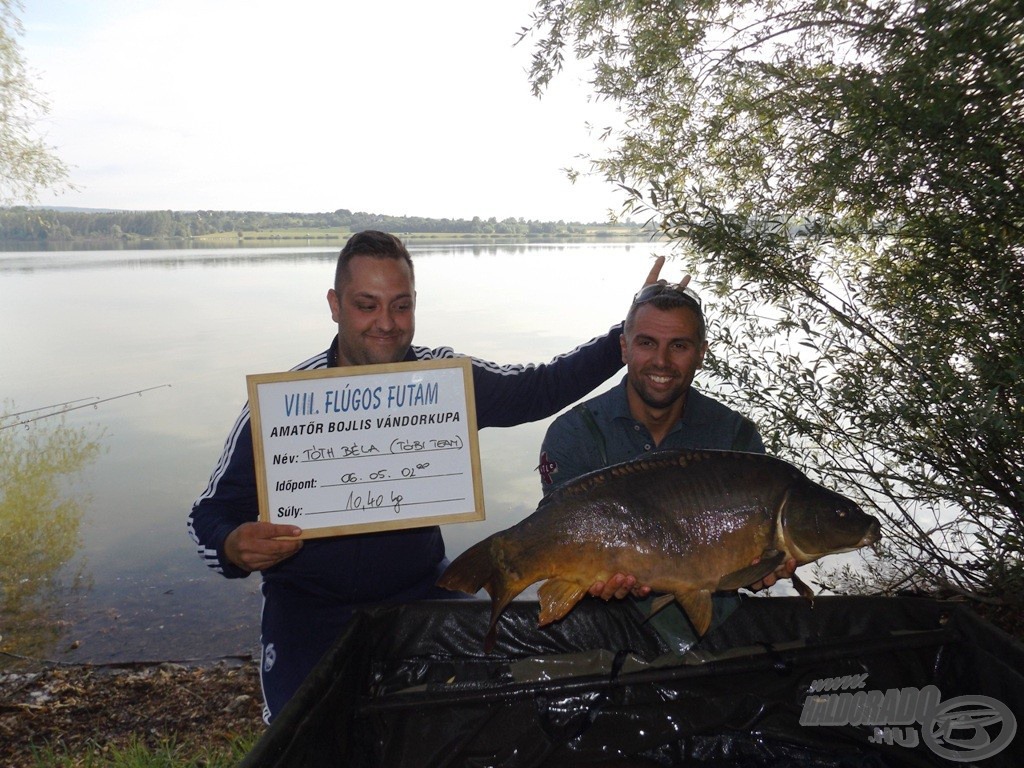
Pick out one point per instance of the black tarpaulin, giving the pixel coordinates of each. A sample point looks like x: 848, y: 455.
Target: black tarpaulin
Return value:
x: 411, y: 686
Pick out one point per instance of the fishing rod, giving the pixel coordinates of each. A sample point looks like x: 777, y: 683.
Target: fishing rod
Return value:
x: 68, y: 406
x: 48, y: 407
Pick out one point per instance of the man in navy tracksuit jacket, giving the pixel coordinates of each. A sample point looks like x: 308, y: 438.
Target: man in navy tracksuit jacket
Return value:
x: 311, y: 588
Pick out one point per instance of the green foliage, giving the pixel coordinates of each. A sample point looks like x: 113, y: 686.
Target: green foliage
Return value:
x: 27, y: 164
x: 847, y: 177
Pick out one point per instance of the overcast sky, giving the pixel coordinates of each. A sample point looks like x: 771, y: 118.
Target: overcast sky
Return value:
x: 400, y: 107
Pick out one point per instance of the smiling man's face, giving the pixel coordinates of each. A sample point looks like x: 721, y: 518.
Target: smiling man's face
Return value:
x: 662, y: 351
x: 375, y: 310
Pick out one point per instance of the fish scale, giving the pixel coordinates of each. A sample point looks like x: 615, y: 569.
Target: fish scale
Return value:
x: 685, y: 523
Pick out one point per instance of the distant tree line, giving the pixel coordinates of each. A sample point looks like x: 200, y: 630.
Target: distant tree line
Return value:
x: 23, y: 224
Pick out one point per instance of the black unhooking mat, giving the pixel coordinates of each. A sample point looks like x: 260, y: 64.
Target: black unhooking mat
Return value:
x: 846, y: 682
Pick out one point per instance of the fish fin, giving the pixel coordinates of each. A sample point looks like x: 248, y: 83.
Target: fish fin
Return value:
x: 477, y: 569
x: 802, y: 589
x: 557, y: 598
x: 491, y: 637
x: 698, y: 607
x: 744, y: 577
x: 660, y: 602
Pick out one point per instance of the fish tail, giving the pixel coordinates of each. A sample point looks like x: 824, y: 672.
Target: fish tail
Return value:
x: 471, y: 571
x: 477, y: 568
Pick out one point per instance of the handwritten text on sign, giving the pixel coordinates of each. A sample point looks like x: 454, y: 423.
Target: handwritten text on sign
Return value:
x: 367, y: 448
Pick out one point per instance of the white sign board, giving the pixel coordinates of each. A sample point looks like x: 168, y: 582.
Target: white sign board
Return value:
x: 367, y: 448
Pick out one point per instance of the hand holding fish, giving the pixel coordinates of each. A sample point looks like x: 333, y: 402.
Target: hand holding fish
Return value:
x: 784, y: 571
x: 618, y: 586
x: 621, y: 585
x: 258, y: 546
x: 686, y: 523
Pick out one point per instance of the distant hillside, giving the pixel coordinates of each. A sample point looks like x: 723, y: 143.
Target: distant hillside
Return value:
x: 61, y: 225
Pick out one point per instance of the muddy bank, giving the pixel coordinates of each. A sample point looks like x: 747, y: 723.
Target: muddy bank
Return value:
x: 85, y: 709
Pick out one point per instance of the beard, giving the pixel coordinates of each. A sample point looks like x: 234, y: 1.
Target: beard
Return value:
x: 660, y: 398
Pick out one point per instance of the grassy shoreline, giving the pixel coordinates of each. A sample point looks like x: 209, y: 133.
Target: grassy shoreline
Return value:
x: 159, y: 715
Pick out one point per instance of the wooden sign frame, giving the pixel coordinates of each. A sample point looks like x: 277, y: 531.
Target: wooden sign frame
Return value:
x: 356, y: 449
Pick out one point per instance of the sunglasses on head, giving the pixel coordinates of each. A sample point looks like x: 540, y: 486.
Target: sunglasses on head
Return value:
x: 653, y: 291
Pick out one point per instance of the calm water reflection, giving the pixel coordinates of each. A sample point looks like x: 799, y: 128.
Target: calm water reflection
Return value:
x: 41, y: 518
x: 184, y: 328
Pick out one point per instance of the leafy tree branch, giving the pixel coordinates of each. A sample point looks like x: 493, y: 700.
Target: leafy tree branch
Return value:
x: 846, y: 178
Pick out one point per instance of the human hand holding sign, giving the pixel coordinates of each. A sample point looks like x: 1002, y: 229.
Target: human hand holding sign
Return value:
x: 258, y: 546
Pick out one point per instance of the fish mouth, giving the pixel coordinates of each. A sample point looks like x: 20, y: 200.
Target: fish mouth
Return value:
x: 873, y: 536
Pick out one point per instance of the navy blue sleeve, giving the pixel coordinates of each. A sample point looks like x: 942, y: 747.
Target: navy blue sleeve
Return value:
x: 507, y: 395
x: 229, y: 500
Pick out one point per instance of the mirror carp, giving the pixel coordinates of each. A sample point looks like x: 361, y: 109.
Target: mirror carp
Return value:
x: 686, y: 523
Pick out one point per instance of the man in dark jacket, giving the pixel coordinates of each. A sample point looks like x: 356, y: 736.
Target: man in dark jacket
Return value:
x: 312, y: 587
x: 655, y: 407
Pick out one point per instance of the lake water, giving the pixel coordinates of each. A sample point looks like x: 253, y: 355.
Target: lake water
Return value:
x: 177, y: 331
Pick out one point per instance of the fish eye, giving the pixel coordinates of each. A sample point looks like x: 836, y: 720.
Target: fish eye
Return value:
x: 841, y: 513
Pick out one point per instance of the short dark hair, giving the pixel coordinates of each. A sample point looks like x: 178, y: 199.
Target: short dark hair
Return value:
x: 665, y: 302
x: 373, y: 243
